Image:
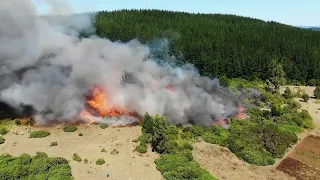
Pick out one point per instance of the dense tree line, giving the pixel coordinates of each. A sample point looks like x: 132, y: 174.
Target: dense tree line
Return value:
x: 219, y: 44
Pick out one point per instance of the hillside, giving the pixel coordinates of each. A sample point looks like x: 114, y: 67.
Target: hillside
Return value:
x: 221, y: 44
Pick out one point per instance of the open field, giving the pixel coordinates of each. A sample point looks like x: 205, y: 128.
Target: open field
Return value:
x: 124, y: 165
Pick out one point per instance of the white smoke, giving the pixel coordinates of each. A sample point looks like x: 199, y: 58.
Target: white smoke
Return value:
x: 44, y: 64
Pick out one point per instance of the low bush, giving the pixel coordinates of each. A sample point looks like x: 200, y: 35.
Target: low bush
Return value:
x: 114, y: 152
x: 100, y: 161
x: 305, y: 97
x: 76, y: 157
x: 69, y: 128
x: 54, y: 143
x: 85, y: 161
x: 141, y: 148
x: 39, y: 134
x: 316, y: 92
x: 80, y: 134
x: 103, y: 150
x: 2, y: 140
x: 3, y: 131
x: 103, y: 126
x: 288, y: 93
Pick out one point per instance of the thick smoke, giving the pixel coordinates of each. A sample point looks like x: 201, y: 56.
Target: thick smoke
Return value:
x: 45, y: 65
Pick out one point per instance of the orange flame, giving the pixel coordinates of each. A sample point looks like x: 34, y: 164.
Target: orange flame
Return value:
x: 240, y: 114
x: 98, y: 102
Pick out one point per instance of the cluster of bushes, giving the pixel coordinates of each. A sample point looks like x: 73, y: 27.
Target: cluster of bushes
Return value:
x: 265, y: 135
x: 39, y: 166
x: 176, y: 161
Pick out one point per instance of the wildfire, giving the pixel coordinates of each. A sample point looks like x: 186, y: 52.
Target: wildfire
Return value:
x: 98, y: 105
x: 241, y: 114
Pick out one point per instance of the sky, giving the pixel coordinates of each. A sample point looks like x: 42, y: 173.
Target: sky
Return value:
x: 292, y: 12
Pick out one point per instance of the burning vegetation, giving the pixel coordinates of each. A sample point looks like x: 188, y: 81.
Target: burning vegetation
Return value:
x: 97, y: 106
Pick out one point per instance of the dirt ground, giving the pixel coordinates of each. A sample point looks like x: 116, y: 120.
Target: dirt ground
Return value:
x: 125, y: 165
x: 222, y: 163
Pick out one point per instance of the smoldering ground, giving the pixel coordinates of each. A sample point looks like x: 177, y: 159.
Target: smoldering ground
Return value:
x: 45, y: 65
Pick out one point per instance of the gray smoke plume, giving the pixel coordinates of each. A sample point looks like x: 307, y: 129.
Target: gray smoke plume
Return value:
x: 45, y: 65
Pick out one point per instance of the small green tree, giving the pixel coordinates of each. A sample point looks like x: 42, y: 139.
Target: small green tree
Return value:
x: 305, y: 97
x: 316, y: 92
x: 147, y: 124
x: 288, y: 93
x: 160, y: 134
x: 276, y: 74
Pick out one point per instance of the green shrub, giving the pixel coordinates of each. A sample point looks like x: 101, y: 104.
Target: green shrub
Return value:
x: 114, y: 152
x: 85, y: 161
x: 39, y: 134
x: 54, y: 143
x: 141, y: 148
x: 293, y: 104
x: 100, y: 161
x: 276, y: 110
x: 80, y: 134
x: 2, y: 140
x: 316, y: 92
x: 288, y: 93
x: 76, y: 157
x: 147, y: 123
x: 103, y: 126
x: 3, y: 131
x: 103, y: 150
x: 160, y: 134
x: 69, y: 128
x: 305, y: 97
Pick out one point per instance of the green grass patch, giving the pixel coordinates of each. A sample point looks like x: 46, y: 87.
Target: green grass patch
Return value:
x: 39, y: 134
x: 290, y: 128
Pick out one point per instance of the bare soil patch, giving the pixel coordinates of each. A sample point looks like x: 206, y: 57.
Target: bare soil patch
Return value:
x: 126, y: 164
x: 308, y: 151
x: 223, y: 164
x: 298, y: 169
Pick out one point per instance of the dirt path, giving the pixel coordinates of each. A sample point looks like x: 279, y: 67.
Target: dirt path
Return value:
x: 125, y: 165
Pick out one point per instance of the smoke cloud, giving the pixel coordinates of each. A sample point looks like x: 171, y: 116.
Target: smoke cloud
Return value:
x: 45, y: 65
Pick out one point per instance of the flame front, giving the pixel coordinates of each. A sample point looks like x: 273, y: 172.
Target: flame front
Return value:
x: 99, y: 105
